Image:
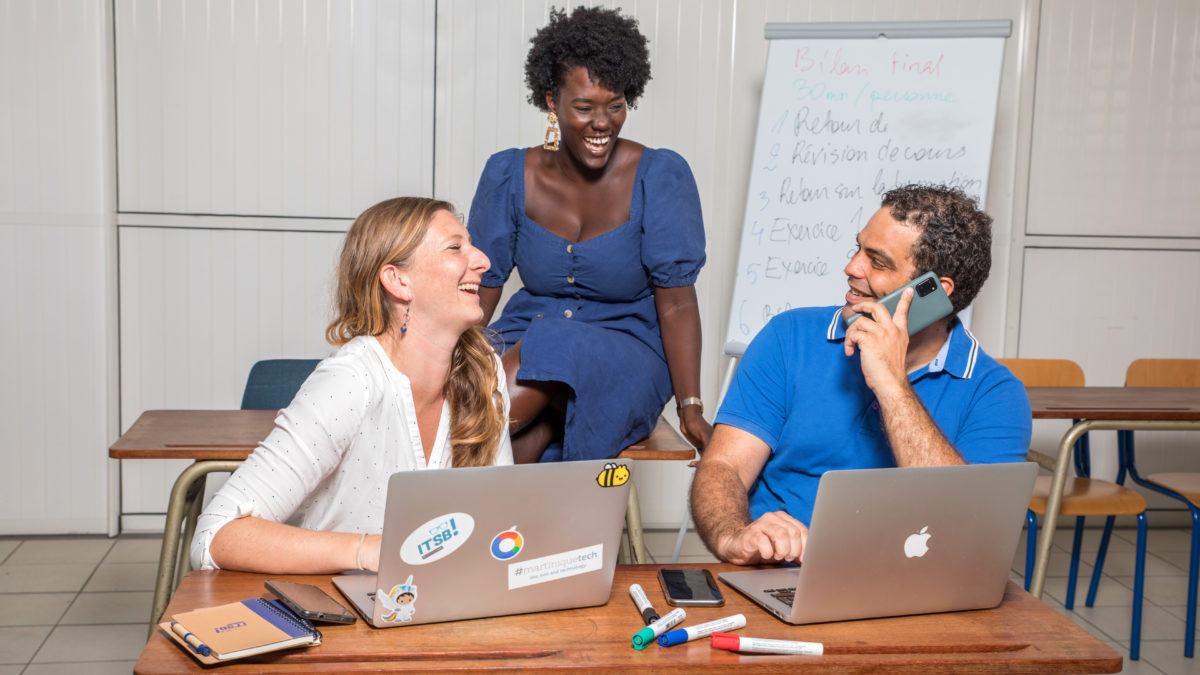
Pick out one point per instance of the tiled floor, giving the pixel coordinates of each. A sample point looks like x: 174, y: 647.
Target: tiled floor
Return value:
x: 71, y: 601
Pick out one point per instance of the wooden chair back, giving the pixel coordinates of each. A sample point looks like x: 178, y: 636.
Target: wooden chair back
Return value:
x: 1045, y: 372
x: 1163, y: 373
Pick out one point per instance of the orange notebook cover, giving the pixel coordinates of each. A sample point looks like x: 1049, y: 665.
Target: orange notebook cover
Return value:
x: 239, y: 629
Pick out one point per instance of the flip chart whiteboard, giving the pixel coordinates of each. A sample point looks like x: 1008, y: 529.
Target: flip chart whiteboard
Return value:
x: 848, y: 112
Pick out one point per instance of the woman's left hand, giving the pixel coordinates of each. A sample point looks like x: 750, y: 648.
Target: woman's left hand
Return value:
x: 695, y: 428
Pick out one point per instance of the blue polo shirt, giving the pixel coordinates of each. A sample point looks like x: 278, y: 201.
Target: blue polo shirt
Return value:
x: 797, y: 390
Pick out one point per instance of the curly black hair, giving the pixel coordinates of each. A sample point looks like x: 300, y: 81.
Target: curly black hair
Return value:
x: 955, y: 239
x: 608, y: 44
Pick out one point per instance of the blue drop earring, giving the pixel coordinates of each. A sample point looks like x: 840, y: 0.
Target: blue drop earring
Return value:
x: 404, y: 326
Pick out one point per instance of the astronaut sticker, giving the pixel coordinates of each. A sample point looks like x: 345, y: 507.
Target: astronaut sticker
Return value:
x: 400, y: 603
x: 613, y: 475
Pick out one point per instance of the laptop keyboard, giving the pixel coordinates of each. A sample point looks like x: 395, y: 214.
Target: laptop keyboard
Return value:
x: 784, y: 595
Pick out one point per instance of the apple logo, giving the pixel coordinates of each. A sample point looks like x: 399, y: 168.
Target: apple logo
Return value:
x: 917, y: 545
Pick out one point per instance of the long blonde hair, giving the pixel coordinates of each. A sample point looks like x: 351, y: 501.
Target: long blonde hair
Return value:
x: 388, y: 234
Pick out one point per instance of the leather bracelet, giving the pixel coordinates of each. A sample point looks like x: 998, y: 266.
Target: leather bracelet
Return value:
x: 691, y: 400
x: 358, y: 553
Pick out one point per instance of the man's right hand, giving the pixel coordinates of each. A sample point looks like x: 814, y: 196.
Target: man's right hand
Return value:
x: 774, y: 537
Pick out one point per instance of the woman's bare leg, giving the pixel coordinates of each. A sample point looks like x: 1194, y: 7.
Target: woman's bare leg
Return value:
x: 532, y: 419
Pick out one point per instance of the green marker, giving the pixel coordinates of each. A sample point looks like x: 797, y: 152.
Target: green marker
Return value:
x: 648, y: 634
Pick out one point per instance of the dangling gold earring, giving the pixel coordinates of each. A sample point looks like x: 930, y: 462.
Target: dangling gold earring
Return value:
x: 548, y: 144
x: 404, y: 326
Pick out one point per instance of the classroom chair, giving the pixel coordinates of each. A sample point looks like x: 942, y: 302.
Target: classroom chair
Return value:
x: 273, y: 383
x: 270, y: 385
x: 1183, y: 486
x: 664, y: 443
x: 1082, y: 496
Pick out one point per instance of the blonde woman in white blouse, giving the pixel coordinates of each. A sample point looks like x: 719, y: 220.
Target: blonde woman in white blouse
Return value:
x: 414, y: 386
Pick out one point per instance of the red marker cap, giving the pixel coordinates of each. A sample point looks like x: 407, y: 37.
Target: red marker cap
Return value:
x: 726, y: 641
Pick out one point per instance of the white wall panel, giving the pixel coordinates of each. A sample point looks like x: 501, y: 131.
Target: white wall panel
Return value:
x: 53, y: 412
x: 1116, y: 136
x: 198, y: 308
x: 1103, y: 309
x: 55, y: 258
x: 313, y: 108
x: 53, y: 134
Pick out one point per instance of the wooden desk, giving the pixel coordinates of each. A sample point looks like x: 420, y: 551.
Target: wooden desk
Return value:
x: 1103, y: 408
x: 216, y: 441
x: 1023, y: 635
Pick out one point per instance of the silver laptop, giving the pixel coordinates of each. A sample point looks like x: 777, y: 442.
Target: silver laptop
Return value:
x: 488, y: 541
x: 889, y: 542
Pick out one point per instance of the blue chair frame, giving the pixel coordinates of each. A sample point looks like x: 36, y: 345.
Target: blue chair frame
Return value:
x: 1083, y: 468
x: 1125, y: 449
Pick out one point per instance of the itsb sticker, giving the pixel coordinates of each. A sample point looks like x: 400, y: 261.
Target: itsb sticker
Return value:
x: 507, y: 544
x: 612, y: 475
x: 437, y: 538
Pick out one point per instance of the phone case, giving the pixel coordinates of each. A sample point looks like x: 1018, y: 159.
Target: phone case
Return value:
x: 310, y: 602
x: 929, y: 304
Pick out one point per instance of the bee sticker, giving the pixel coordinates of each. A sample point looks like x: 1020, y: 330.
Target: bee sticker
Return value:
x: 612, y: 475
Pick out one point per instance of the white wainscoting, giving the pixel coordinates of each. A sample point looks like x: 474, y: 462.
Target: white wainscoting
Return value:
x: 57, y: 271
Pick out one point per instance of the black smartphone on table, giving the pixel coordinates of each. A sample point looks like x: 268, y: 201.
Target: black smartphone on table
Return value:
x: 690, y: 588
x: 929, y: 303
x: 310, y: 602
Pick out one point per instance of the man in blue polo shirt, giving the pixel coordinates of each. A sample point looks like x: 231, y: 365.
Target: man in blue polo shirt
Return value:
x: 811, y: 395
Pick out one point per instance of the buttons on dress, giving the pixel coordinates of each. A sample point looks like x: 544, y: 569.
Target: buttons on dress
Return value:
x: 570, y: 248
x: 570, y: 278
x: 568, y: 313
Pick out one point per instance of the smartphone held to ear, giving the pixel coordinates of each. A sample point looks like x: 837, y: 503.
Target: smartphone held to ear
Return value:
x: 690, y: 588
x: 929, y: 303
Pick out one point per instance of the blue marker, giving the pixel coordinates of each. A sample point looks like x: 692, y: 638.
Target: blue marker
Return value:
x: 681, y: 635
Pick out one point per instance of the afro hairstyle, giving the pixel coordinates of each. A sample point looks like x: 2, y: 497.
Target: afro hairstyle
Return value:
x: 608, y: 44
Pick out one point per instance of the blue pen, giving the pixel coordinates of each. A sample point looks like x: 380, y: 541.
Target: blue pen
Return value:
x: 193, y: 641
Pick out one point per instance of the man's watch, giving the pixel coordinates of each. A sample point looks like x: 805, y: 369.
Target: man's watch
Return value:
x: 691, y: 400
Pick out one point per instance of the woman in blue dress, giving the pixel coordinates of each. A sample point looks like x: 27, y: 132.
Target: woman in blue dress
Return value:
x: 608, y: 238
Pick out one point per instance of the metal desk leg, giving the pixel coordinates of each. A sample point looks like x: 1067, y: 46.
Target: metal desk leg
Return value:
x: 633, y: 523
x: 169, y: 554
x: 1054, y: 503
x: 191, y: 514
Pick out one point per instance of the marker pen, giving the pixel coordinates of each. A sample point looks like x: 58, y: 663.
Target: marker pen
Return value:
x: 643, y: 604
x: 193, y: 641
x: 681, y: 635
x: 646, y: 635
x: 737, y: 643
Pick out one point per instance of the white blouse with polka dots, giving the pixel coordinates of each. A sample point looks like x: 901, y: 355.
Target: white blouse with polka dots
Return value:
x: 326, y: 464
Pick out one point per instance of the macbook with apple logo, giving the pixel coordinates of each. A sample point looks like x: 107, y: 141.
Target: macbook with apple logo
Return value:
x: 891, y: 542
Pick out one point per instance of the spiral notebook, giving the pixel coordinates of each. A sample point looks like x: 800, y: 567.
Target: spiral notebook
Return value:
x: 239, y: 629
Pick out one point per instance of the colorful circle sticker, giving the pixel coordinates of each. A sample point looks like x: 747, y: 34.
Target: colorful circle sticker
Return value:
x: 507, y: 544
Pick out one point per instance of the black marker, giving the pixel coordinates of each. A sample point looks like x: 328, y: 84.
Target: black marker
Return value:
x: 643, y: 604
